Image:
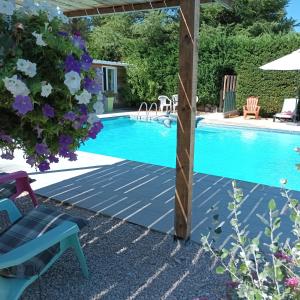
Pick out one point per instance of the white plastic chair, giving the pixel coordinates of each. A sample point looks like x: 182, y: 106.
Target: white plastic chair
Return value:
x: 174, y: 102
x: 165, y: 102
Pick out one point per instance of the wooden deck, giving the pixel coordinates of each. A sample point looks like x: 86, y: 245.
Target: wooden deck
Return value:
x: 144, y: 194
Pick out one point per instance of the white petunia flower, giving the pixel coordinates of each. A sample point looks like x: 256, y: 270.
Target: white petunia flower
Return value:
x: 72, y: 81
x: 92, y: 118
x: 39, y: 39
x: 52, y: 11
x: 16, y: 86
x: 100, y: 97
x: 30, y: 7
x: 27, y: 67
x: 98, y: 107
x: 46, y: 90
x: 84, y: 97
x: 7, y: 7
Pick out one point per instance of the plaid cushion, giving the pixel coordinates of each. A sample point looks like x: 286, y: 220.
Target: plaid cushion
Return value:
x: 35, y: 223
x: 9, y: 188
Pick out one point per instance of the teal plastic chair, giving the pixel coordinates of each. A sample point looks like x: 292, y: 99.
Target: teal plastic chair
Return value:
x: 66, y: 234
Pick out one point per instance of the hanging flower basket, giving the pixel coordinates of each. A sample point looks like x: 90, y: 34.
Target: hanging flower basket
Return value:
x: 49, y: 95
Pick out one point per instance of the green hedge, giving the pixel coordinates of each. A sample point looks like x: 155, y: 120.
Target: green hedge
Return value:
x: 242, y: 55
x: 270, y: 86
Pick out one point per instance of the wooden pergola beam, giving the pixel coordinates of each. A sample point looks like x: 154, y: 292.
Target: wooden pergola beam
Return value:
x: 104, y: 10
x: 188, y: 66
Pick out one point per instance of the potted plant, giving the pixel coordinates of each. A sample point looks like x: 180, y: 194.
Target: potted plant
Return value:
x: 48, y: 92
x: 109, y: 101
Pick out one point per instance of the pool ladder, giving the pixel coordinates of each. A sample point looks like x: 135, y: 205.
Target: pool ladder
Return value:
x: 147, y: 116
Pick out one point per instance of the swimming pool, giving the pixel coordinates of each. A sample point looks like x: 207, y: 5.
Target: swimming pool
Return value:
x: 251, y: 155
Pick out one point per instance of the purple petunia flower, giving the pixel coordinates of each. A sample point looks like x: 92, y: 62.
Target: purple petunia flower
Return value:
x: 53, y: 159
x: 63, y: 33
x: 64, y: 151
x: 86, y: 61
x: 48, y: 111
x: 44, y: 166
x: 78, y: 42
x: 72, y: 156
x: 31, y: 160
x: 71, y: 64
x: 65, y: 140
x: 83, y: 118
x: 5, y: 138
x: 97, y: 127
x: 83, y: 109
x: 7, y: 155
x: 41, y: 149
x: 91, y: 86
x: 22, y: 104
x: 70, y: 116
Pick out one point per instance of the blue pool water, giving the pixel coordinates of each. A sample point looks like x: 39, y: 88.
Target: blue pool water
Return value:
x: 250, y: 155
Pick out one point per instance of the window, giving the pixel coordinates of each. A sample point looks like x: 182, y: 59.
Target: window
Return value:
x: 110, y: 79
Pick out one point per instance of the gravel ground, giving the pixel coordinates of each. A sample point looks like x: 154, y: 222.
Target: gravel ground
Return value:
x: 127, y: 261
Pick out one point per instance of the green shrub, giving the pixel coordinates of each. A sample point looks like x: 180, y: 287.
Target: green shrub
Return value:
x: 268, y: 270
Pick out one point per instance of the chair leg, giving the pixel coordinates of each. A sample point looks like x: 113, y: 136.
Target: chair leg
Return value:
x: 22, y: 185
x: 79, y: 253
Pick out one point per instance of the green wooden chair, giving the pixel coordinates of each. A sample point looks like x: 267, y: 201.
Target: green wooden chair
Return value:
x: 61, y: 236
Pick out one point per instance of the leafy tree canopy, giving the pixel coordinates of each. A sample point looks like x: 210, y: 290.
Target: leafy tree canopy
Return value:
x: 251, y: 17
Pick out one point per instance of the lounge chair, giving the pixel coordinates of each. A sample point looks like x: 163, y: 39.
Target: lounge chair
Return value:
x: 251, y: 108
x: 165, y: 102
x: 14, y: 184
x: 32, y: 244
x: 289, y: 110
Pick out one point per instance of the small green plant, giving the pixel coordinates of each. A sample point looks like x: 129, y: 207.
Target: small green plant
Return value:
x: 261, y: 271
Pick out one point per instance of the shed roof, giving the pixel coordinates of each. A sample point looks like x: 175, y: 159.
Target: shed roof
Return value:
x: 109, y: 63
x: 95, y: 7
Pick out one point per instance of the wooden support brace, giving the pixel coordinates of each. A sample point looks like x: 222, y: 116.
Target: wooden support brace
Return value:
x: 188, y: 63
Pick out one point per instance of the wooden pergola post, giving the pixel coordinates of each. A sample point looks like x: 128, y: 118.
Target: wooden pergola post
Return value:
x: 188, y: 63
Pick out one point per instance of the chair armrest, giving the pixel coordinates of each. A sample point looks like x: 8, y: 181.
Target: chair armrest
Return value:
x: 11, y: 209
x: 244, y: 107
x: 32, y: 248
x: 13, y: 176
x: 257, y: 107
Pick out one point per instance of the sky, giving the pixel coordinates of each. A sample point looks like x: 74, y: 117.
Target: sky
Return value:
x: 293, y: 10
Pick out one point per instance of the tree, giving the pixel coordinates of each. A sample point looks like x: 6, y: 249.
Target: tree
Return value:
x: 108, y: 39
x: 251, y: 17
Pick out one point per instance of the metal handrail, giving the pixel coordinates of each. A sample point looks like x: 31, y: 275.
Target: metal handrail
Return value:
x: 147, y: 115
x: 141, y: 106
